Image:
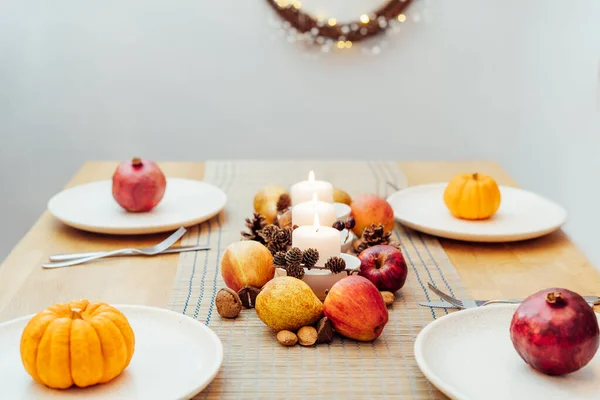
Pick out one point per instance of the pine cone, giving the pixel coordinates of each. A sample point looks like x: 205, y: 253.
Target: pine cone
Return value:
x: 335, y: 264
x: 372, y: 236
x: 255, y: 226
x: 280, y: 241
x: 297, y: 271
x: 268, y: 232
x: 293, y: 257
x: 310, y: 258
x: 276, y: 239
x: 279, y: 259
x: 284, y: 202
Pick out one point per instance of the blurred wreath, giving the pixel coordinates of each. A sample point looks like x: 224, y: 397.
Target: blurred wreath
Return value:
x: 320, y: 30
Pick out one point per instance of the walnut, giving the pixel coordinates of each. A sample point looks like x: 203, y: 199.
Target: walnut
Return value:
x: 307, y: 335
x: 287, y: 338
x: 228, y: 303
x: 388, y: 298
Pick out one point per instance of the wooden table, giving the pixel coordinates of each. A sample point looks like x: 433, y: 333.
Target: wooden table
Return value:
x: 488, y: 270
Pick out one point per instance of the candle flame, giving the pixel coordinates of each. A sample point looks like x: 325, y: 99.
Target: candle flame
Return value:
x: 315, y: 196
x: 311, y: 176
x: 317, y: 225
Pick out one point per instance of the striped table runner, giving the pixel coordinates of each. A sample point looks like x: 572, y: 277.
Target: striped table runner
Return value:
x: 255, y: 365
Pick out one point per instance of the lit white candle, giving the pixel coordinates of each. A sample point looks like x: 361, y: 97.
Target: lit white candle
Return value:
x: 325, y: 239
x: 303, y: 191
x: 304, y: 213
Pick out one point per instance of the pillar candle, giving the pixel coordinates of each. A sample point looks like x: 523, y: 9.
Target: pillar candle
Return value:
x: 325, y: 239
x: 303, y: 191
x: 304, y: 213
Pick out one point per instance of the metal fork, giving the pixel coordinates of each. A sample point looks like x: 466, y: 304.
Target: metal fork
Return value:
x: 452, y: 300
x: 591, y: 300
x: 147, y: 251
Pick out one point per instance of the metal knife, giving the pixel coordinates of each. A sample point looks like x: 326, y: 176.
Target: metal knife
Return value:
x: 74, y: 256
x: 591, y: 300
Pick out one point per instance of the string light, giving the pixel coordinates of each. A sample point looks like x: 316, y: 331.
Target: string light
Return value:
x: 324, y: 31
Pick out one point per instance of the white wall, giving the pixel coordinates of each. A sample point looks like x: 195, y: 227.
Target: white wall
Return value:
x: 509, y: 80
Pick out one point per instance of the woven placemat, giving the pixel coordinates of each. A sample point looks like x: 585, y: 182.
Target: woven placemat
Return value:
x: 255, y: 364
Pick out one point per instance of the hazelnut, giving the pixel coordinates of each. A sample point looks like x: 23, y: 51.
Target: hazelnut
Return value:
x: 307, y: 335
x: 287, y: 338
x: 285, y: 219
x: 388, y: 298
x: 248, y: 295
x: 324, y: 331
x: 228, y: 303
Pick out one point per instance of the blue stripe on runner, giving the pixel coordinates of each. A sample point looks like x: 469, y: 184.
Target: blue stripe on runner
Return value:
x: 397, y: 233
x: 418, y: 252
x: 426, y: 248
x: 217, y: 267
x: 190, y: 284
x: 191, y: 281
x: 411, y: 263
x: 436, y: 264
x: 218, y: 177
x: 406, y: 254
x: 202, y: 279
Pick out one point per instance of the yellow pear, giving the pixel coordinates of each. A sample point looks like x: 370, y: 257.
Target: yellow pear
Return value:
x: 339, y: 196
x: 265, y: 201
x: 288, y: 303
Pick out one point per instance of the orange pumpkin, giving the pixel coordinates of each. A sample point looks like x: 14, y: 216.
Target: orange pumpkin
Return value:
x: 472, y: 196
x: 79, y: 343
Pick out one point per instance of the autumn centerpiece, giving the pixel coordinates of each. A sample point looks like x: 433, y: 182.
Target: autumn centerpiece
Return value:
x: 291, y: 268
x: 80, y: 343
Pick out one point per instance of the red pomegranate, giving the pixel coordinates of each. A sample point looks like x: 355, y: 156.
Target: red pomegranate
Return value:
x: 555, y: 331
x: 138, y: 185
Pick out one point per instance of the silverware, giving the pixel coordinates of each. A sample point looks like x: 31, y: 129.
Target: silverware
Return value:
x: 148, y: 251
x: 452, y: 302
x: 74, y: 256
x: 591, y: 300
x: 393, y: 186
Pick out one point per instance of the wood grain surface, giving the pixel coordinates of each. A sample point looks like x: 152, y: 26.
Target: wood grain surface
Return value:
x: 25, y: 287
x: 488, y: 270
x: 508, y: 270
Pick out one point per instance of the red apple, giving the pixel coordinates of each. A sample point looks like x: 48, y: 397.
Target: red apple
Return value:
x: 246, y: 263
x: 555, y: 331
x: 370, y: 209
x: 356, y: 308
x: 138, y: 185
x: 384, y: 266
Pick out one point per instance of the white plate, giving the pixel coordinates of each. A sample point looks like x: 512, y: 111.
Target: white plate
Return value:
x: 91, y: 207
x: 468, y: 355
x: 522, y: 215
x: 175, y: 358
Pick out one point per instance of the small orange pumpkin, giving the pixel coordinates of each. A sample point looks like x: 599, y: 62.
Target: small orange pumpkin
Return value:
x: 78, y: 343
x: 472, y: 196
